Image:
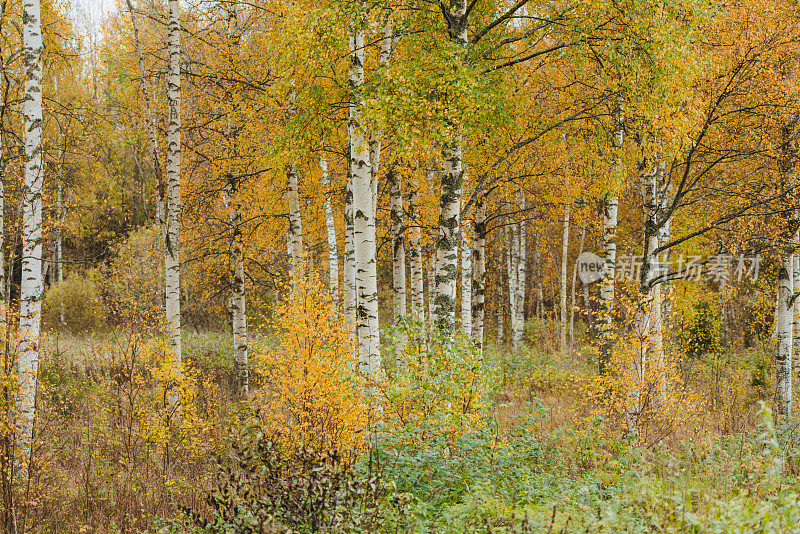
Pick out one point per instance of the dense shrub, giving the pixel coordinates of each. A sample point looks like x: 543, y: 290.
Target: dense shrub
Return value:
x: 78, y: 298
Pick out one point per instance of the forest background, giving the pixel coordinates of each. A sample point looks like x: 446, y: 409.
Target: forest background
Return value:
x: 314, y: 266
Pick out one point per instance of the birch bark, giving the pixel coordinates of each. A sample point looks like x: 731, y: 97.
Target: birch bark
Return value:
x: 398, y: 247
x: 563, y: 290
x: 606, y: 327
x: 363, y: 215
x: 466, y: 281
x: 783, y: 359
x: 479, y: 271
x: 173, y: 195
x: 349, y: 256
x: 31, y: 286
x: 415, y: 251
x: 450, y: 199
x: 330, y: 230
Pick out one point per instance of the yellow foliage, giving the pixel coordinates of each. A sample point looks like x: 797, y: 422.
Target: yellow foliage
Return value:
x: 312, y: 395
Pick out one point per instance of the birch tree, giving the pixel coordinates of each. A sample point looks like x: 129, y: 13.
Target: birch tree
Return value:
x: 448, y: 237
x: 31, y: 287
x: 610, y: 207
x: 398, y: 247
x: 466, y: 281
x: 330, y: 232
x: 237, y: 276
x: 415, y: 252
x: 563, y: 288
x: 479, y: 270
x: 363, y: 213
x: 173, y: 194
x: 294, y: 234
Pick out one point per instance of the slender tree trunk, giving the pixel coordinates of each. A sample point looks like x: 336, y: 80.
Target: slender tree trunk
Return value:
x: 783, y: 359
x: 574, y: 284
x: 511, y: 262
x: 650, y: 306
x: 664, y: 237
x: 417, y: 289
x: 238, y: 298
x: 238, y: 295
x: 173, y: 198
x: 466, y: 281
x: 501, y: 304
x: 398, y: 247
x: 363, y: 215
x: 431, y: 291
x: 295, y: 229
x: 610, y: 249
x: 375, y: 138
x: 784, y: 316
x: 330, y: 227
x: 59, y: 231
x: 516, y: 273
x: 563, y: 295
x: 796, y: 311
x: 479, y: 271
x: 30, y: 305
x: 349, y: 257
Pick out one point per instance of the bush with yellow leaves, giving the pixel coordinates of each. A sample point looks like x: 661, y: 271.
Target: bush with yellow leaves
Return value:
x: 312, y: 395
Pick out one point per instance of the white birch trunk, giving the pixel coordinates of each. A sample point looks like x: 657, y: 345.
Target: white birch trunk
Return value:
x: 501, y: 306
x: 450, y: 200
x: 466, y: 281
x: 448, y: 240
x: 479, y: 271
x: 606, y: 327
x: 30, y: 306
x: 59, y: 233
x: 431, y: 291
x: 650, y: 291
x: 796, y: 311
x: 295, y: 229
x: 398, y: 248
x: 511, y: 252
x: 563, y: 289
x: 238, y: 295
x: 415, y: 251
x: 574, y: 283
x: 363, y: 216
x: 349, y: 278
x: 330, y: 228
x: 517, y: 275
x: 173, y: 196
x: 783, y: 359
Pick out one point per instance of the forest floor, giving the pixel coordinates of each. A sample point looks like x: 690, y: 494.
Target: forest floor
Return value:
x: 540, y: 458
